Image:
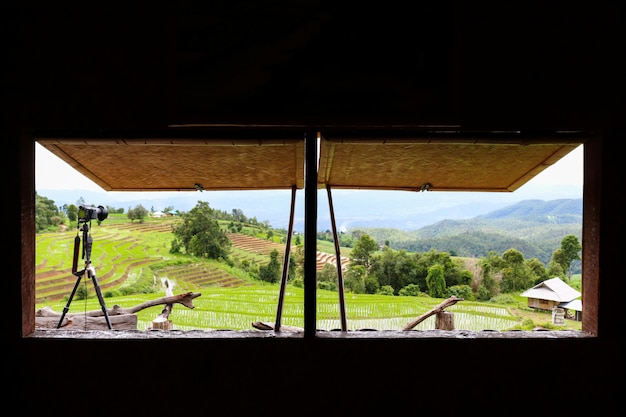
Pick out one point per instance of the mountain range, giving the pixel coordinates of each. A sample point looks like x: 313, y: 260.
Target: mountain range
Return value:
x: 352, y: 208
x: 533, y: 227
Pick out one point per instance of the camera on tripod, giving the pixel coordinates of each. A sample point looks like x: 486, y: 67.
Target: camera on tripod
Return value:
x: 87, y: 213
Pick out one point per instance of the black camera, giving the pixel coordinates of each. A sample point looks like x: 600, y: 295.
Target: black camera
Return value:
x: 86, y: 213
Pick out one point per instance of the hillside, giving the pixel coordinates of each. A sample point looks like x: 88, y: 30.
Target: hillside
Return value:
x: 534, y: 227
x: 123, y: 250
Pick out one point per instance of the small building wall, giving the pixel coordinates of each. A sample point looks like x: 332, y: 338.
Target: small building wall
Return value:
x: 542, y: 304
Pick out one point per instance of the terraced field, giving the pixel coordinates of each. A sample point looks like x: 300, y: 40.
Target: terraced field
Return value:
x: 115, y: 255
x: 121, y: 249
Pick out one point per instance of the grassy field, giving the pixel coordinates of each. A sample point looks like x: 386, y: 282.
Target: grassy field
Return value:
x: 130, y: 257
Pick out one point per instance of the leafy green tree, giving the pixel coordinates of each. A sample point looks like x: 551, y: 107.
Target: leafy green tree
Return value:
x: 199, y: 234
x: 452, y: 271
x: 328, y: 273
x: 570, y: 251
x: 537, y: 269
x: 72, y: 212
x: 436, y: 282
x: 354, y: 279
x: 554, y: 268
x: 238, y: 216
x: 371, y: 285
x: 47, y: 214
x: 516, y: 273
x: 394, y: 268
x: 271, y: 271
x: 138, y: 213
x: 490, y: 272
x: 363, y: 250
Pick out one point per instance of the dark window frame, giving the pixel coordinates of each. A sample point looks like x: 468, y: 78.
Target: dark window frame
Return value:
x: 590, y: 242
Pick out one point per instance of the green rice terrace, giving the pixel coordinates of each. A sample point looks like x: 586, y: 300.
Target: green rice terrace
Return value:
x: 132, y: 261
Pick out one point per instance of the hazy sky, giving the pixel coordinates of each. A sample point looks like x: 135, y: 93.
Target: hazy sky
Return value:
x: 53, y: 173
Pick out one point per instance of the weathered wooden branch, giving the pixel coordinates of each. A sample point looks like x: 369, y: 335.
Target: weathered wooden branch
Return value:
x: 184, y: 299
x: 438, y: 309
x: 121, y: 318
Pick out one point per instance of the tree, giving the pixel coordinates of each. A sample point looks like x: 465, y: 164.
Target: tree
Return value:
x: 570, y: 251
x: 271, y: 271
x: 354, y: 279
x: 385, y: 290
x: 554, y: 268
x: 490, y: 266
x: 138, y: 213
x: 47, y: 214
x: 538, y: 270
x: 436, y: 282
x: 516, y: 274
x: 362, y: 251
x: 72, y: 212
x: 199, y: 234
x: 393, y: 268
x: 328, y: 273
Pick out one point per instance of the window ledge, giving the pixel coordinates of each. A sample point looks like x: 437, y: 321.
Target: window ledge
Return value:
x: 349, y: 335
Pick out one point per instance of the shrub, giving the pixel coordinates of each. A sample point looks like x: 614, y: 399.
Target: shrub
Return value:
x: 461, y: 291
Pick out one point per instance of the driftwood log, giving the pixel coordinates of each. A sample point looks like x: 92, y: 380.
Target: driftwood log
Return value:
x: 121, y: 318
x: 437, y: 309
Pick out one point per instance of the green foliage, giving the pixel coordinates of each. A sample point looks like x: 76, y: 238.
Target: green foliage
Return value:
x: 271, y: 271
x: 461, y: 291
x: 354, y: 279
x: 385, y: 290
x: 363, y: 250
x: 435, y: 281
x: 82, y: 292
x: 569, y: 252
x: 411, y: 290
x: 516, y: 274
x: 72, y: 212
x: 504, y: 299
x: 47, y: 214
x: 328, y: 273
x: 137, y: 213
x: 327, y: 285
x: 535, y: 228
x: 199, y: 234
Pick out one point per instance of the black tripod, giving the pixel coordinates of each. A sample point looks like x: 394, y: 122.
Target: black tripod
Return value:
x: 89, y: 268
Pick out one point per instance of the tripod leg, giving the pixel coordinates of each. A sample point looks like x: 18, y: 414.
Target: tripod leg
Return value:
x: 101, y: 299
x: 69, y: 301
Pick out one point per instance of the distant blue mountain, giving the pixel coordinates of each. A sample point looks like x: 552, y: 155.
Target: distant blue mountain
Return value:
x: 352, y: 208
x: 564, y: 209
x: 534, y: 227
